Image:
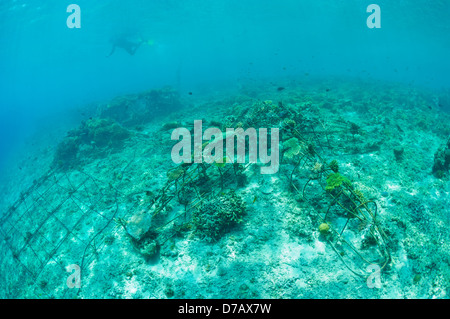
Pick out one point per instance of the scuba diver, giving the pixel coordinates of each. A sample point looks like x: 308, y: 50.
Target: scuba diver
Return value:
x: 127, y: 43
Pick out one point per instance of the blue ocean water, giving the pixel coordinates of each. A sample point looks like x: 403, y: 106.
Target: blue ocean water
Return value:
x: 45, y: 66
x: 49, y: 71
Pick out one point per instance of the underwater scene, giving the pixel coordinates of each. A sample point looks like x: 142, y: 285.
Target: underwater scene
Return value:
x: 293, y: 149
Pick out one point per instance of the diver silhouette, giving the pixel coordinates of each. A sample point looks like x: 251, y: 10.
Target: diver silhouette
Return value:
x: 124, y: 42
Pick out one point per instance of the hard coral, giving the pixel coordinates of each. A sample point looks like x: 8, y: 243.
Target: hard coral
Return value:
x: 324, y: 228
x: 442, y: 160
x: 218, y: 214
x: 336, y: 180
x: 292, y: 147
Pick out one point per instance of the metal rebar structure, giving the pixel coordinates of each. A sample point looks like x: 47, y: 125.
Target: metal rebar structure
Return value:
x: 43, y: 232
x: 64, y: 217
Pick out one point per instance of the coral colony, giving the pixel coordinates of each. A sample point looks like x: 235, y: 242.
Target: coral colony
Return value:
x: 212, y: 151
